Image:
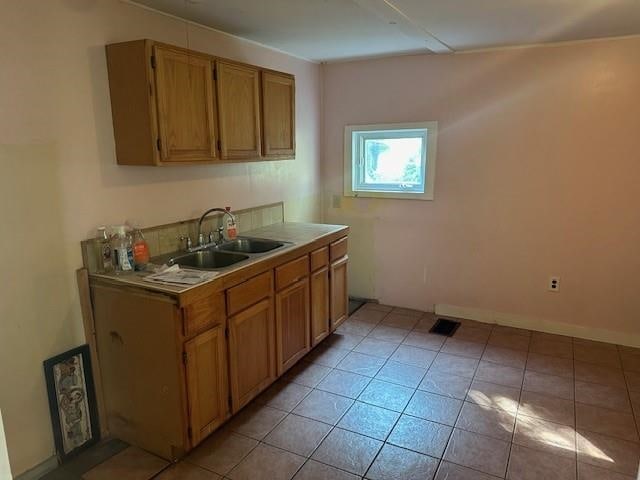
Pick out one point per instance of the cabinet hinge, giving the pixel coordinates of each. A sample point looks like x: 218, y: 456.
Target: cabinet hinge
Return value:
x: 215, y: 74
x: 184, y: 357
x: 226, y: 333
x: 158, y: 144
x: 153, y: 61
x: 189, y: 432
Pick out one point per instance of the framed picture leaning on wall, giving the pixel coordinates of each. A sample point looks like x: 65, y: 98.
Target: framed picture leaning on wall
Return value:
x: 72, y: 401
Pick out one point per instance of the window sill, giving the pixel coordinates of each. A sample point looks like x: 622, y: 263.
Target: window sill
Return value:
x: 391, y: 195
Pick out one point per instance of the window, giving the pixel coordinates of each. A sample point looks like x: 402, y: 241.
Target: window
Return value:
x: 390, y: 161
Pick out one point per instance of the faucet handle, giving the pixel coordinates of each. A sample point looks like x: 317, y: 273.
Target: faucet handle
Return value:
x: 187, y: 240
x: 220, y: 233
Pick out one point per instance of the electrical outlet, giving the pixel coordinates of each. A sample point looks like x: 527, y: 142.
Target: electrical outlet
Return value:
x: 554, y: 284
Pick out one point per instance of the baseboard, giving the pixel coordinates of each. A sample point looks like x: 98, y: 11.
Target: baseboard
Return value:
x: 363, y: 300
x: 539, y: 324
x: 39, y: 470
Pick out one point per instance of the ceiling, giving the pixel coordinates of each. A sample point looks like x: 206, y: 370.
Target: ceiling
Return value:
x: 329, y: 30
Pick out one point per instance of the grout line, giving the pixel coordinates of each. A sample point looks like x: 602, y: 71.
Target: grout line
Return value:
x: 575, y: 410
x: 462, y: 406
x: 415, y: 389
x: 401, y: 413
x: 515, y: 419
x: 387, y: 360
x: 347, y: 410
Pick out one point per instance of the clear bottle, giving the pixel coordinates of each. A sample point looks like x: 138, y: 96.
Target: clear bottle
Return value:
x: 124, y: 252
x: 105, y: 257
x: 140, y: 250
x: 232, y: 224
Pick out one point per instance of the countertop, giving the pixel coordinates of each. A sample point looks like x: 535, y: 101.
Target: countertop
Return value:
x: 298, y: 234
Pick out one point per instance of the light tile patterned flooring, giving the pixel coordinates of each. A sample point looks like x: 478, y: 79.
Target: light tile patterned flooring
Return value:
x: 384, y: 399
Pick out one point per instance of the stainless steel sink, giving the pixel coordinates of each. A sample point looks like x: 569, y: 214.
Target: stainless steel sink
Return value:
x: 250, y: 245
x: 208, y: 259
x: 218, y: 257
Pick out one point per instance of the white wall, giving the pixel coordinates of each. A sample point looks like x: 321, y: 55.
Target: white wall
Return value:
x: 59, y: 179
x: 538, y: 174
x: 5, y: 468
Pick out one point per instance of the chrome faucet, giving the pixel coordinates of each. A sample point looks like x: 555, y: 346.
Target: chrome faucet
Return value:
x: 201, y: 242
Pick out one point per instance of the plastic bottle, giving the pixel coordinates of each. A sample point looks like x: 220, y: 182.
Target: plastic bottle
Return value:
x: 124, y: 251
x: 140, y: 250
x: 105, y: 257
x: 232, y: 224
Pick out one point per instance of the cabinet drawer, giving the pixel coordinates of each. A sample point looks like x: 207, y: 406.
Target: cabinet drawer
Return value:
x: 291, y: 272
x: 338, y: 249
x: 249, y: 292
x: 319, y: 258
x: 203, y: 314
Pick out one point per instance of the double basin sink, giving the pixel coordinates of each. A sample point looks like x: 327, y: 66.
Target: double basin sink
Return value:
x: 221, y: 256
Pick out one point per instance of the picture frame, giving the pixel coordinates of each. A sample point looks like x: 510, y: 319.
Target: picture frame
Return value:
x: 72, y: 401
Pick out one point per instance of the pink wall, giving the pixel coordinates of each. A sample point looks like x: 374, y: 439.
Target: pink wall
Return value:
x: 538, y: 174
x: 59, y: 179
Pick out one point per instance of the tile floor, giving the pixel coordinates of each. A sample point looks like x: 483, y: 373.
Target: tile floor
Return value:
x: 384, y: 399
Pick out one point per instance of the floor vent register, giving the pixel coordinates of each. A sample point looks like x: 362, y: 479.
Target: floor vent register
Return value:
x: 445, y: 327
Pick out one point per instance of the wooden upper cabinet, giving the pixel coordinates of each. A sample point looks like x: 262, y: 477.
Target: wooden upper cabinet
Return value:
x: 186, y: 106
x: 278, y: 115
x: 133, y: 106
x: 238, y: 89
x: 173, y: 106
x: 207, y: 383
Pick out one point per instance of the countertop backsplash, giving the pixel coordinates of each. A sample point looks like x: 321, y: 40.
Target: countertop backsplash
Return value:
x: 166, y: 238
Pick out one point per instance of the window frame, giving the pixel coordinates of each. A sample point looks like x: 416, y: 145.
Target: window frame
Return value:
x: 351, y: 169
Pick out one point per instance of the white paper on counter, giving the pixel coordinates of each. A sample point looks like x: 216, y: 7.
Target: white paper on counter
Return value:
x: 180, y: 276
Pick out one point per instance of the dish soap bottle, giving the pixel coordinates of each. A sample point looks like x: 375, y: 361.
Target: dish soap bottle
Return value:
x: 140, y: 250
x: 232, y: 224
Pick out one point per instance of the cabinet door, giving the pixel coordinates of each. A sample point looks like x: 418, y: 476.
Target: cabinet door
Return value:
x: 238, y: 88
x: 292, y: 324
x: 207, y: 385
x: 278, y: 115
x: 339, y: 295
x: 252, y: 352
x: 186, y: 106
x: 319, y: 305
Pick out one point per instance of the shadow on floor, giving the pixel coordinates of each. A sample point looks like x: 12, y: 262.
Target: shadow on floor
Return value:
x: 85, y: 461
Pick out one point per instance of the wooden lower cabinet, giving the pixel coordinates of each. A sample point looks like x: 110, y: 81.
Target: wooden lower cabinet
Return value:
x: 339, y: 295
x: 141, y: 366
x: 320, y: 320
x: 252, y: 352
x: 207, y: 383
x: 292, y: 324
x: 174, y: 368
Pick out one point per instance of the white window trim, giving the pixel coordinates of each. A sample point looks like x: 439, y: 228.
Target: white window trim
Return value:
x: 432, y: 136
